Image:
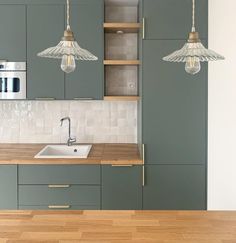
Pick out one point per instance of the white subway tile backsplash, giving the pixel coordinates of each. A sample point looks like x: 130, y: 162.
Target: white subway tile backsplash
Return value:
x: 92, y: 121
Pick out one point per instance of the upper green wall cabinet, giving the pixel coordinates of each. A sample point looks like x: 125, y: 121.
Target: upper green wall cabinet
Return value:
x: 87, y: 25
x: 174, y: 107
x: 13, y: 33
x: 45, y: 26
x: 171, y: 19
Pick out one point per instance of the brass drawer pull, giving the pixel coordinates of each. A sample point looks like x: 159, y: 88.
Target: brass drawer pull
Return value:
x: 83, y: 98
x: 59, y: 206
x: 58, y: 186
x: 143, y: 165
x: 122, y: 165
x: 45, y: 98
x: 144, y: 26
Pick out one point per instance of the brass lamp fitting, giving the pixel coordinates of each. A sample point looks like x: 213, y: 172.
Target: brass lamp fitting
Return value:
x: 68, y: 35
x: 193, y: 37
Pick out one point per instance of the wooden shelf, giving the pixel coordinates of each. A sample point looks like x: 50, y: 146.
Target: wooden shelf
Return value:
x: 122, y: 62
x: 121, y: 98
x: 124, y: 27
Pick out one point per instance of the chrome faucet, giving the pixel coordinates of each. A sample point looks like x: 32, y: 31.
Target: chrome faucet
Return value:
x: 70, y: 140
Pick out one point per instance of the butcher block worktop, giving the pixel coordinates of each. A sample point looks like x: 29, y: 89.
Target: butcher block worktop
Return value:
x: 115, y: 154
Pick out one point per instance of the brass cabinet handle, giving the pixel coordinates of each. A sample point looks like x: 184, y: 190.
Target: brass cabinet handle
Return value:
x: 122, y: 165
x: 144, y: 26
x: 143, y: 165
x: 59, y: 206
x: 58, y: 186
x: 45, y: 98
x: 82, y: 98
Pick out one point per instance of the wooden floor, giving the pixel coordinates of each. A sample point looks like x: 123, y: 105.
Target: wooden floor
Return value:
x: 117, y: 226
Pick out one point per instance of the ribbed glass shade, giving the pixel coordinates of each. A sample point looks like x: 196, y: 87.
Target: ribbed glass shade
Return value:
x: 68, y: 48
x: 193, y: 50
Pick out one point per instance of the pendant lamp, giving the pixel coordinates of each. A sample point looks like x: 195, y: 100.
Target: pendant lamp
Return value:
x: 193, y: 52
x: 68, y: 49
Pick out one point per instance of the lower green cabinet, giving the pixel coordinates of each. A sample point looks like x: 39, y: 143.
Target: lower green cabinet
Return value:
x: 83, y: 187
x: 59, y: 187
x: 80, y: 207
x: 174, y: 187
x: 56, y: 197
x: 59, y: 174
x: 121, y: 188
x: 8, y: 187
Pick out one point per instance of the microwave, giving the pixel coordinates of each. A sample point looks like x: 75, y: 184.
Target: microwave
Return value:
x: 12, y: 80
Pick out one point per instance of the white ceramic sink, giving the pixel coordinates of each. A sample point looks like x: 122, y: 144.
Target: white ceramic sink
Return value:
x: 64, y: 151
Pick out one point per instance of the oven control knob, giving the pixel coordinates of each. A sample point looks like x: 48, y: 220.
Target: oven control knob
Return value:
x: 1, y: 66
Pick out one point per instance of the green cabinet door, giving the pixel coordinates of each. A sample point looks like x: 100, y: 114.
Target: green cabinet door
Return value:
x: 174, y: 187
x: 171, y: 19
x: 174, y: 107
x: 8, y: 187
x: 45, y: 26
x: 13, y: 33
x: 121, y: 188
x: 87, y: 25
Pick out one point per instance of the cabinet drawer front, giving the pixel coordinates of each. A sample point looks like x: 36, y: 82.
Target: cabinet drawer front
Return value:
x: 75, y: 195
x: 72, y: 207
x: 59, y: 174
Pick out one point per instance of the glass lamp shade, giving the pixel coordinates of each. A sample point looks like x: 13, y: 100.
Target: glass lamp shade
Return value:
x: 194, y: 50
x: 193, y: 53
x: 68, y: 48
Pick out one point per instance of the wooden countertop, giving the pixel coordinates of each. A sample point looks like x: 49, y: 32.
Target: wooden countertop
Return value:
x: 117, y: 226
x: 115, y: 154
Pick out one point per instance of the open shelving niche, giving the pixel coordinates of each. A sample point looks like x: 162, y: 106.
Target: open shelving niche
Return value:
x: 121, y: 64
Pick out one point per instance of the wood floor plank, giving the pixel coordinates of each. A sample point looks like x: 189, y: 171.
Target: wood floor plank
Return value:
x: 117, y: 226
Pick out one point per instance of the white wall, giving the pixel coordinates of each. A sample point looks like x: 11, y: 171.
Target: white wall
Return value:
x: 222, y: 107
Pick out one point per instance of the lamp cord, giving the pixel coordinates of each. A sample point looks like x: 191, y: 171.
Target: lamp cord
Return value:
x: 193, y: 17
x: 68, y: 14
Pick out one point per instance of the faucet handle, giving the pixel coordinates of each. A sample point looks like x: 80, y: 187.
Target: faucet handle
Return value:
x: 71, y: 141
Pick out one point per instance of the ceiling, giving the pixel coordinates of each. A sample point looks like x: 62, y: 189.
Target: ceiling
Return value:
x: 122, y: 2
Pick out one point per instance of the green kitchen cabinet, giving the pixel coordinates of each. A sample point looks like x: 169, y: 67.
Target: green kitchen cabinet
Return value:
x: 45, y: 26
x: 172, y: 19
x: 8, y: 187
x: 59, y: 174
x: 73, y: 195
x: 13, y: 33
x: 59, y: 187
x: 121, y: 188
x: 63, y: 207
x: 174, y: 187
x: 174, y: 107
x: 87, y: 24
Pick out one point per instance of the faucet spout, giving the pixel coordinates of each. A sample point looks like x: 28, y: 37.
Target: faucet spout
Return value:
x: 70, y: 140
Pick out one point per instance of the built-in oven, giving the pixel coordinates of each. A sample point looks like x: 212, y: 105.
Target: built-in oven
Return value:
x: 12, y: 80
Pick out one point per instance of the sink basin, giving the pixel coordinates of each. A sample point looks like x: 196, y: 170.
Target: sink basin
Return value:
x: 64, y: 151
